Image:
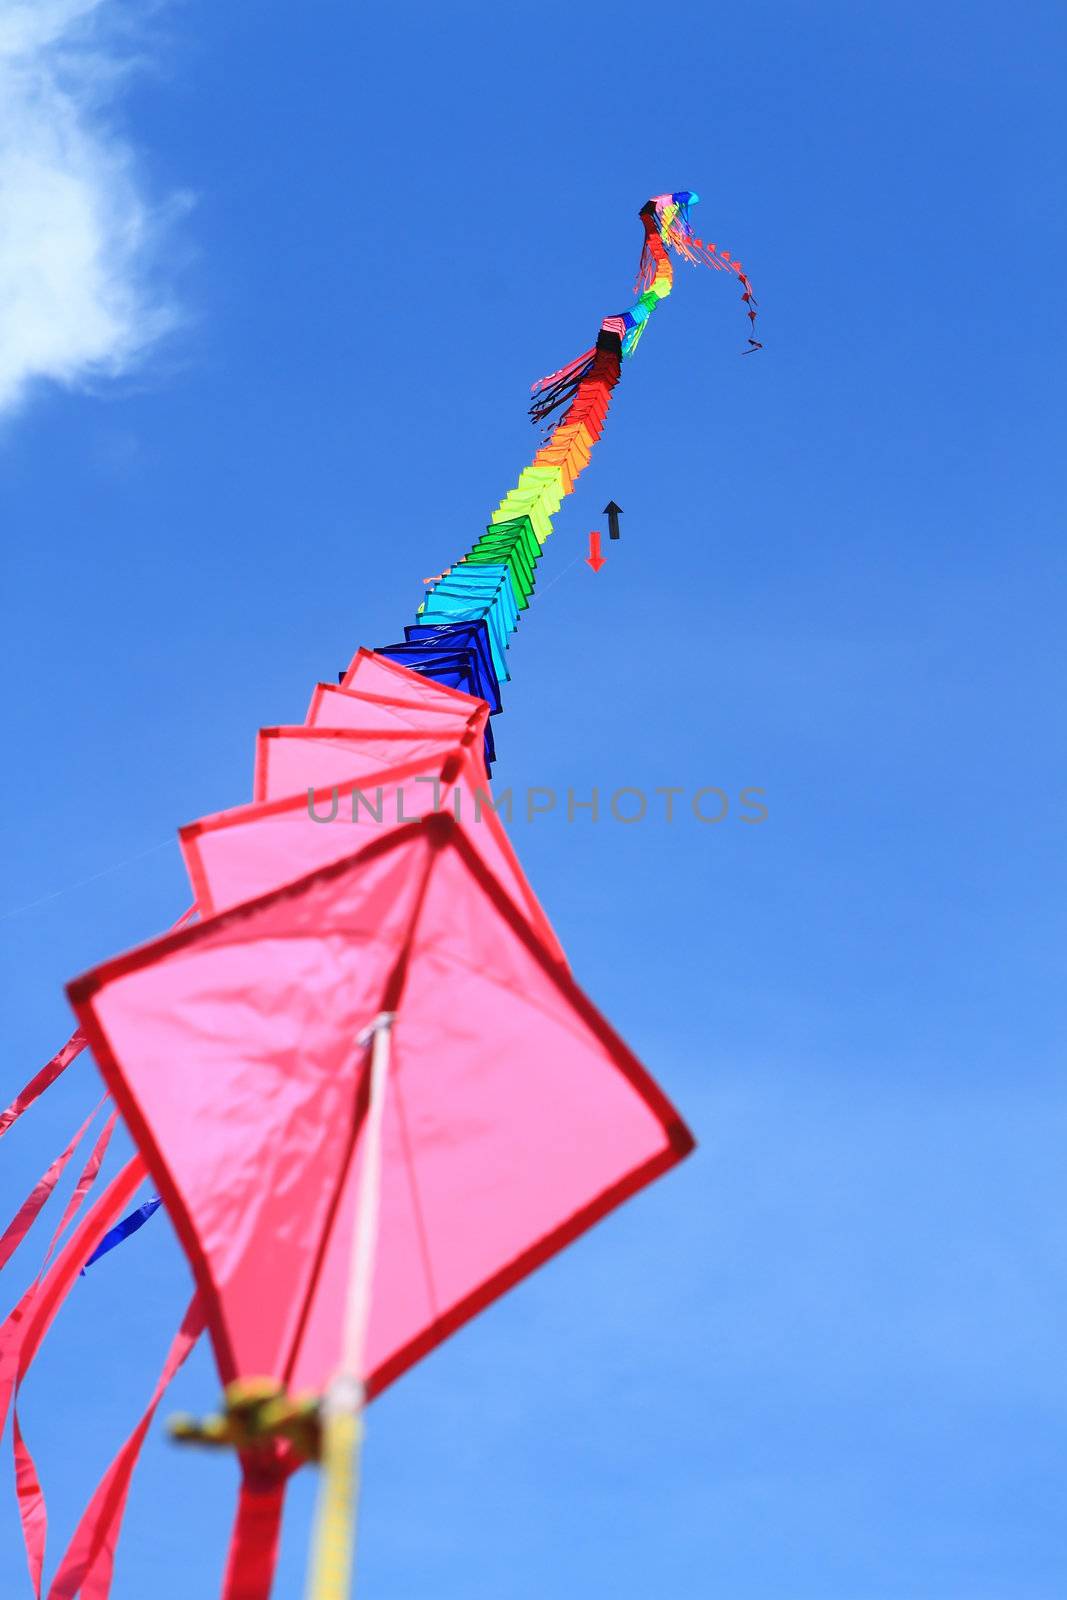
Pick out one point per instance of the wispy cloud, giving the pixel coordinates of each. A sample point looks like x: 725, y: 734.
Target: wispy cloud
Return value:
x: 79, y: 299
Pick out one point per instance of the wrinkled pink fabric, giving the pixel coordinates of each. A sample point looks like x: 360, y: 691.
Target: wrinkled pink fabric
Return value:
x: 379, y: 675
x: 293, y: 760
x: 334, y: 707
x: 236, y: 855
x: 515, y: 1116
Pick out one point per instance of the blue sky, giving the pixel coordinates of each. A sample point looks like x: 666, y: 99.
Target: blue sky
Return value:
x: 273, y: 287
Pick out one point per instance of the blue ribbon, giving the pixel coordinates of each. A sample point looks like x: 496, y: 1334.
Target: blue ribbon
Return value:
x: 122, y: 1230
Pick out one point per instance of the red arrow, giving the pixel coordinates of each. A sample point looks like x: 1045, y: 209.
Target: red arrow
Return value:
x: 594, y: 559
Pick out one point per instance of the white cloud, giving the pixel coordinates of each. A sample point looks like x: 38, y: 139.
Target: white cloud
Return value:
x: 77, y: 301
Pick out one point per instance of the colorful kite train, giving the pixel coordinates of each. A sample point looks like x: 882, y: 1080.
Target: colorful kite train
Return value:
x: 358, y: 1071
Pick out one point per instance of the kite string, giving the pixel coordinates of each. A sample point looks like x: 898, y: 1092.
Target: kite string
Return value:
x: 343, y: 1404
x: 81, y: 883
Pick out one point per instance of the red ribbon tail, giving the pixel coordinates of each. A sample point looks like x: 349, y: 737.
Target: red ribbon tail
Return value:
x: 256, y: 1532
x: 87, y: 1565
x: 35, y: 1201
x: 33, y: 1513
x: 43, y: 1079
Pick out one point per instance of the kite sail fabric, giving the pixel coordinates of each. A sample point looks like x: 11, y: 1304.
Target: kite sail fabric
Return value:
x: 460, y: 636
x: 419, y: 688
x: 371, y: 672
x: 335, y: 707
x: 516, y: 1117
x: 290, y: 760
x: 239, y: 854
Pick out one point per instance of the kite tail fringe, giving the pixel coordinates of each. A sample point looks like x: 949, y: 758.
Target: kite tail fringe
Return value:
x: 43, y: 1079
x: 667, y: 225
x: 560, y: 387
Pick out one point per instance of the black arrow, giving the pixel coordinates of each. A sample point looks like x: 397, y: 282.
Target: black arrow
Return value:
x: 613, y: 513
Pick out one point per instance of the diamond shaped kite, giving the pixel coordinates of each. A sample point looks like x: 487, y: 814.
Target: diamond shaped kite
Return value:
x: 514, y: 1116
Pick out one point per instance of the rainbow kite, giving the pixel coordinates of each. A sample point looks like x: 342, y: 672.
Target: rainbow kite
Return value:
x: 358, y: 1071
x: 493, y: 582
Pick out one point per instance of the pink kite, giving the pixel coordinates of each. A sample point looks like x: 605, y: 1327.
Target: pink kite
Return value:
x: 241, y: 853
x: 334, y: 707
x: 514, y: 1118
x: 292, y: 760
